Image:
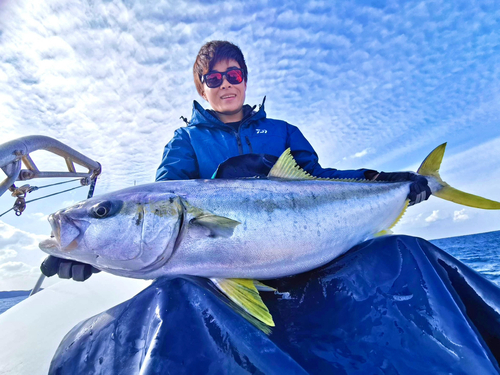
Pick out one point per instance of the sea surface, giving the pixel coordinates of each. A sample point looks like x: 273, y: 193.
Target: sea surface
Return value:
x: 11, y: 298
x: 481, y: 252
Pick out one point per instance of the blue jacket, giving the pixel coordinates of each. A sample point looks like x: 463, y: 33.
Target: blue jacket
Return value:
x: 196, y: 150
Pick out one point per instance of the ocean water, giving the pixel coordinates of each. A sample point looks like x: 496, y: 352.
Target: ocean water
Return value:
x: 9, y: 299
x: 481, y: 252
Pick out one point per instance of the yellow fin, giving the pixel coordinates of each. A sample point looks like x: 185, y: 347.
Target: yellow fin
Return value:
x: 219, y: 226
x: 383, y: 233
x: 244, y: 293
x: 466, y: 199
x: 399, y: 216
x: 286, y: 167
x: 388, y: 230
x: 430, y: 167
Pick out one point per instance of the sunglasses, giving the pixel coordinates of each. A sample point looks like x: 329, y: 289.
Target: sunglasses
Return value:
x: 214, y: 79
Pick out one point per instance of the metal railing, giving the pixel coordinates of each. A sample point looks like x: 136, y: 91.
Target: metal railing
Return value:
x: 17, y: 152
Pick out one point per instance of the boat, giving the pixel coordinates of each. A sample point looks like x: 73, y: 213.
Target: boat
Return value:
x: 391, y: 305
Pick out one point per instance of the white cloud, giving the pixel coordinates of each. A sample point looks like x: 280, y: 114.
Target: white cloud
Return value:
x: 433, y: 217
x: 9, y: 267
x: 10, y: 237
x: 18, y: 276
x: 460, y: 215
x: 7, y: 253
x: 361, y: 154
x: 411, y: 220
x: 111, y: 80
x: 19, y: 257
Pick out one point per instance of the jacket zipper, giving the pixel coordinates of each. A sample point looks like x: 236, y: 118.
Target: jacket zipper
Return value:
x: 249, y: 144
x: 238, y: 139
x: 238, y: 134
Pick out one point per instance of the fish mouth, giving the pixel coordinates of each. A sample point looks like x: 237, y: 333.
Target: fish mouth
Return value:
x: 49, y: 245
x: 66, y: 234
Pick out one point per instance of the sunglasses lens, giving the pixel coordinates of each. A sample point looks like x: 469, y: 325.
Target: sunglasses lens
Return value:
x: 213, y: 80
x: 235, y: 76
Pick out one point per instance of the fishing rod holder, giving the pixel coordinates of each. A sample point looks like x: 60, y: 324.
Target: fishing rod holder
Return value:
x: 15, y: 153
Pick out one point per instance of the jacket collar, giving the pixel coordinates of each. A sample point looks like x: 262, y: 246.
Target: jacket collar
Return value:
x: 204, y: 117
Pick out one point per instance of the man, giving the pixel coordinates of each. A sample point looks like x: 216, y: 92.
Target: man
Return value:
x: 232, y: 128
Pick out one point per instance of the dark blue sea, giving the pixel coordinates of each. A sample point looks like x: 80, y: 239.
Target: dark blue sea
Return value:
x: 11, y: 298
x: 481, y: 252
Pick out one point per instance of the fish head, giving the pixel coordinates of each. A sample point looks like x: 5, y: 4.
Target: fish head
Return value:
x: 125, y: 233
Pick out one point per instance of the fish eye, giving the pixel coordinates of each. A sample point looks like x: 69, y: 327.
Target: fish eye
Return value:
x: 105, y: 209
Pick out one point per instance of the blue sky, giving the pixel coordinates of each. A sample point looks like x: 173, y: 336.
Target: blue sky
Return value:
x: 375, y: 84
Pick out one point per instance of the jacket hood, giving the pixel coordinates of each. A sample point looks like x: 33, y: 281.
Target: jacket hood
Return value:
x: 208, y: 117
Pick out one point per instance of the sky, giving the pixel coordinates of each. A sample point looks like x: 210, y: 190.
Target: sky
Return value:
x: 371, y: 84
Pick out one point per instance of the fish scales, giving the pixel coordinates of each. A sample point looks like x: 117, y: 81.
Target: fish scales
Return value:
x: 287, y: 227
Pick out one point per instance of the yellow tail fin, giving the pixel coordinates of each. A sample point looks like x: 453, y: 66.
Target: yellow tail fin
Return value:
x: 430, y: 168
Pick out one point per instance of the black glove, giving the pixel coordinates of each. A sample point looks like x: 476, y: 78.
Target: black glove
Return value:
x: 67, y: 269
x: 419, y: 189
x: 248, y: 165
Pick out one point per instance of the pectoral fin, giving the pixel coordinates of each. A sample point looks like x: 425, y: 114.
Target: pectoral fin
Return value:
x: 244, y: 293
x: 218, y: 226
x: 213, y: 225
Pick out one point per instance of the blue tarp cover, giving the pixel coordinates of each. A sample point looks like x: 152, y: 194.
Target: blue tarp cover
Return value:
x: 393, y: 305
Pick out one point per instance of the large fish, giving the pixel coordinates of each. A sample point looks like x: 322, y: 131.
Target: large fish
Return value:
x: 242, y: 229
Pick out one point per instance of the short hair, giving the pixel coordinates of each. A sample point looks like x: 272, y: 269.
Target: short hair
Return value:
x: 213, y: 52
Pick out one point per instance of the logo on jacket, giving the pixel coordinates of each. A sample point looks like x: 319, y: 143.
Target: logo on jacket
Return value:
x: 261, y: 131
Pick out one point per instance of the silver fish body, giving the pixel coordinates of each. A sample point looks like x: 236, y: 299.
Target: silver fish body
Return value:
x: 273, y: 227
x: 233, y: 231
x: 287, y: 227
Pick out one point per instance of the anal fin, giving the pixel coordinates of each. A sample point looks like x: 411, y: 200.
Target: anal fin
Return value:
x: 244, y: 293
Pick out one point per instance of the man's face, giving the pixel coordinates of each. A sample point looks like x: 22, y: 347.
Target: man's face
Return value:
x: 227, y: 99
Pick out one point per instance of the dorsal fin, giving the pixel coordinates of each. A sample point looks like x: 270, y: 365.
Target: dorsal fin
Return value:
x: 287, y: 168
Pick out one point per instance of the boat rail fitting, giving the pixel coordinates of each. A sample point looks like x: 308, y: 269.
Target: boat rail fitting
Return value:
x: 15, y: 153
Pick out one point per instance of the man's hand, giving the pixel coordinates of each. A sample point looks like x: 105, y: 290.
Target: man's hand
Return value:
x: 67, y: 269
x: 419, y: 189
